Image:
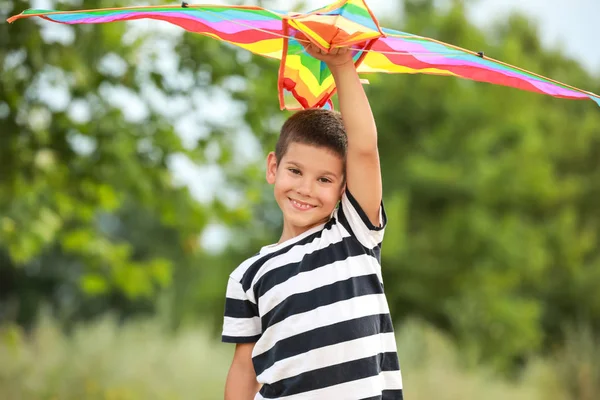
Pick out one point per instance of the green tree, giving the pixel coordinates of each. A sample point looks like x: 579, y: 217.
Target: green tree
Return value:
x: 94, y: 120
x: 491, y: 193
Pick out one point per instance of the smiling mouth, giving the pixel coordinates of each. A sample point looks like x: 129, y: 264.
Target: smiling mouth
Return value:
x: 301, y: 205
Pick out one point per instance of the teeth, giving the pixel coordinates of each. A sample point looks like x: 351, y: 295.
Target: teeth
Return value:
x: 301, y: 205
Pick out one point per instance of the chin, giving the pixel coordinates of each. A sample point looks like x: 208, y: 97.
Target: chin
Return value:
x: 307, y: 223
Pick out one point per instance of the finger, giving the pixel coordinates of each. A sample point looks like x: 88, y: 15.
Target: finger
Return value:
x: 304, y: 44
x: 334, y: 51
x: 301, y: 37
x: 303, y: 40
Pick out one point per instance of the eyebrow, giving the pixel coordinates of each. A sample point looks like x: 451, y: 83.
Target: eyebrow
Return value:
x: 324, y: 172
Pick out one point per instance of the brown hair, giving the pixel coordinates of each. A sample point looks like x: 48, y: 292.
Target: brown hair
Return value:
x: 315, y: 127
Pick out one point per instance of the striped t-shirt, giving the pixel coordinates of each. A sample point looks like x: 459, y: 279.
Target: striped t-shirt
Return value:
x: 315, y: 307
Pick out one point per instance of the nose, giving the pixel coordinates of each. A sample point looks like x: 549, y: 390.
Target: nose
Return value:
x: 304, y: 187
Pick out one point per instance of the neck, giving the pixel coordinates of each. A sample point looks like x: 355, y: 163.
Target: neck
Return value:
x: 290, y: 231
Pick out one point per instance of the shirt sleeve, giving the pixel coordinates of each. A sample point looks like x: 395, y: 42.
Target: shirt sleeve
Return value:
x: 242, y: 322
x: 355, y: 218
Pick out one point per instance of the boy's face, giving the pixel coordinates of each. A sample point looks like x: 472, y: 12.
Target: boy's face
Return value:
x: 308, y: 183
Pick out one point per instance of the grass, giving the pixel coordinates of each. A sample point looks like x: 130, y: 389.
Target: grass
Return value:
x: 106, y: 361
x: 139, y: 360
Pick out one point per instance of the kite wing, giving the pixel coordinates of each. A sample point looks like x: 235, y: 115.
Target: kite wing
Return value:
x: 305, y: 82
x: 401, y: 52
x: 252, y: 28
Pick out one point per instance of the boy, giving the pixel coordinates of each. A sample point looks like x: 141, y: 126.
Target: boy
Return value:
x: 308, y: 314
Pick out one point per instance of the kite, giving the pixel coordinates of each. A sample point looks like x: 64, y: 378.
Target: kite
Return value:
x: 305, y: 82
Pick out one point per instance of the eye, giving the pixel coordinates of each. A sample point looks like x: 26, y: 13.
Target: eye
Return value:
x: 324, y: 180
x: 294, y: 171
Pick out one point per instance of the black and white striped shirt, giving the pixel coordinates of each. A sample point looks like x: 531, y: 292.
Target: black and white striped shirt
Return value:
x: 316, y: 309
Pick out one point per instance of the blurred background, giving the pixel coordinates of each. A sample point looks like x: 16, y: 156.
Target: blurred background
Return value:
x: 132, y: 184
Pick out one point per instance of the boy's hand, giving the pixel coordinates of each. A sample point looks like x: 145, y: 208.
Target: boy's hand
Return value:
x: 337, y: 57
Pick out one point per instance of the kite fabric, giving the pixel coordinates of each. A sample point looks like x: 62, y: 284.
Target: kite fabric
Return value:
x: 305, y: 82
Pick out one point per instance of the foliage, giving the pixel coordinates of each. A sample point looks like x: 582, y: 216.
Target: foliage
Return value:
x: 106, y: 360
x: 92, y: 217
x: 490, y: 194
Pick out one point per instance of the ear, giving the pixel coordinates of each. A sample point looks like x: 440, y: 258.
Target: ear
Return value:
x: 271, y: 168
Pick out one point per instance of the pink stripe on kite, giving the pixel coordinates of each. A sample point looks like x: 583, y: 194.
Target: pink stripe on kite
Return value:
x: 225, y: 26
x: 441, y: 61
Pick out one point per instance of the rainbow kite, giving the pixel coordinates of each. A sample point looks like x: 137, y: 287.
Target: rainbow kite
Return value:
x: 305, y: 82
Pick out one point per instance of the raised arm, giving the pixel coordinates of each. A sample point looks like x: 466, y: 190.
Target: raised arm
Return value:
x: 362, y: 165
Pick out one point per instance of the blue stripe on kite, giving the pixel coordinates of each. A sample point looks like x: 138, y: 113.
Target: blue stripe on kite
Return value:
x: 71, y: 17
x: 394, y: 32
x: 369, y: 23
x: 231, y: 14
x: 359, y: 19
x: 206, y: 15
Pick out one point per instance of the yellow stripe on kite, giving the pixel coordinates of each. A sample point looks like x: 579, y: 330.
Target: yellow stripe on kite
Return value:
x: 306, y: 76
x: 271, y: 48
x: 400, y: 69
x: 307, y: 31
x: 376, y: 62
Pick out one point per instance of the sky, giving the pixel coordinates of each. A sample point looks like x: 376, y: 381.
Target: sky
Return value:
x: 572, y: 25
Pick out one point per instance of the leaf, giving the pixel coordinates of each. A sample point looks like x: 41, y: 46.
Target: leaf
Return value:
x: 94, y: 285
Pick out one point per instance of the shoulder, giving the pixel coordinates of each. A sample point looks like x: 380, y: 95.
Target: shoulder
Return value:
x: 239, y: 272
x: 352, y: 217
x: 291, y: 252
x: 252, y: 268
